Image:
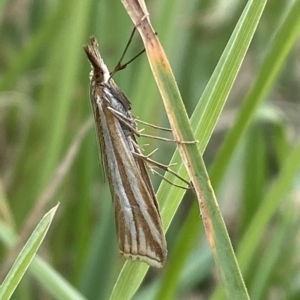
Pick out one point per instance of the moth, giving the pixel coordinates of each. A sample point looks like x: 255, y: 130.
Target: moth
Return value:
x: 137, y: 216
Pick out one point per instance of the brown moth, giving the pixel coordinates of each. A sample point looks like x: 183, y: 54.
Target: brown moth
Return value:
x: 137, y: 217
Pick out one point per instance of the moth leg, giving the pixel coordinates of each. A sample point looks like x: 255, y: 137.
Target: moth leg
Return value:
x: 161, y: 138
x: 160, y: 165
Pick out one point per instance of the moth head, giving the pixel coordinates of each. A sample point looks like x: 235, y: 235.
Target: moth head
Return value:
x: 97, y: 75
x: 100, y: 71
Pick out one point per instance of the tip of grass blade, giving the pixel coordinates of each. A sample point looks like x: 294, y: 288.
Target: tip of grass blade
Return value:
x: 26, y: 255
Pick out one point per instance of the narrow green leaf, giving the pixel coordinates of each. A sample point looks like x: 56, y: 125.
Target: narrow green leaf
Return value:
x: 56, y: 285
x: 25, y: 257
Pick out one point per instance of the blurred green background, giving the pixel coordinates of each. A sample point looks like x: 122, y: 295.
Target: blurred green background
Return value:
x: 44, y: 80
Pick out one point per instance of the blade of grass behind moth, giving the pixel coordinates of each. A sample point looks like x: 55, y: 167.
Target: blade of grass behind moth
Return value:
x: 245, y: 47
x: 239, y: 41
x: 232, y: 55
x: 213, y: 222
x: 279, y: 49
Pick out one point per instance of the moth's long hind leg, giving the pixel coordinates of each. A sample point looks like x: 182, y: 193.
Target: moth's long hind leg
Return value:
x: 163, y: 167
x: 161, y: 138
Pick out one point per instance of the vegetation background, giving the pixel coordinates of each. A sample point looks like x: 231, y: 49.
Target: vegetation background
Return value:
x: 44, y: 104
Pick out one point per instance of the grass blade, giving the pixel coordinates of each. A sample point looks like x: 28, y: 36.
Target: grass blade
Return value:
x: 25, y: 257
x: 224, y: 88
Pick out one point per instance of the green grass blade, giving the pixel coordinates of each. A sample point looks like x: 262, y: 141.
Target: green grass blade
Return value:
x: 212, y: 111
x: 25, y: 257
x: 177, y: 260
x: 249, y: 106
x: 282, y: 44
x: 56, y: 285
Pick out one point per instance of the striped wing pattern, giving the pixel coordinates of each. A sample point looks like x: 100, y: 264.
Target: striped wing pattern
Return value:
x: 137, y: 217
